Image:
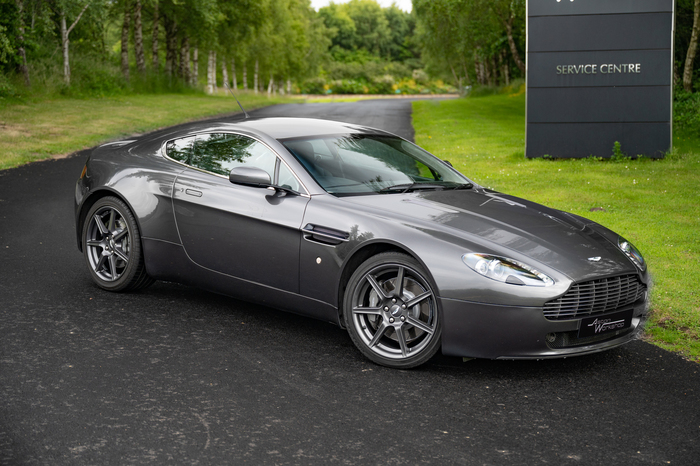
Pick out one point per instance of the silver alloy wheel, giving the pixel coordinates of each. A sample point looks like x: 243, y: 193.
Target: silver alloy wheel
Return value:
x: 108, y: 242
x: 394, y: 311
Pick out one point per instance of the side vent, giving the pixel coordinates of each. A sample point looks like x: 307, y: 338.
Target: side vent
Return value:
x: 324, y: 235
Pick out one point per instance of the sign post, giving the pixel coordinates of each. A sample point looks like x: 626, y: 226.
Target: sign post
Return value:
x: 599, y: 71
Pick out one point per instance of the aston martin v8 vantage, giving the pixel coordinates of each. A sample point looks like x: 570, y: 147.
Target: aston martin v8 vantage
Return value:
x: 360, y: 228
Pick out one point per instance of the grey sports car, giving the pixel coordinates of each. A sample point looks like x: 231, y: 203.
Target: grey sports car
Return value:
x: 360, y: 228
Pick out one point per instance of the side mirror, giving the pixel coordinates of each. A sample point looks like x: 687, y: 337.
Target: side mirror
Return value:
x: 250, y: 176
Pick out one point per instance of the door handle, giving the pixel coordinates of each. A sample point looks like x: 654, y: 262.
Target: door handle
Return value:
x: 193, y: 192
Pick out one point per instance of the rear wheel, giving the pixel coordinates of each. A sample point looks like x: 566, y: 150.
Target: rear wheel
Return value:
x: 391, y: 313
x: 112, y: 247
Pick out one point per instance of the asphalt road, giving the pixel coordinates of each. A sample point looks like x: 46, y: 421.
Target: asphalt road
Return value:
x: 180, y: 376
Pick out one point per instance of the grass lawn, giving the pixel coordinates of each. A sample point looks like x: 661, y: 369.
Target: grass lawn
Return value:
x: 654, y: 204
x: 50, y: 128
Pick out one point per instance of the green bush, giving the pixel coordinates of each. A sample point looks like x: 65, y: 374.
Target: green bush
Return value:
x: 686, y: 111
x: 93, y: 77
x: 349, y: 86
x: 382, y: 85
x: 313, y: 86
x: 6, y: 87
x: 517, y: 86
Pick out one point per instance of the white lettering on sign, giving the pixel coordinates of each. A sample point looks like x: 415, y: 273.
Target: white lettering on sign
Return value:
x: 622, y: 68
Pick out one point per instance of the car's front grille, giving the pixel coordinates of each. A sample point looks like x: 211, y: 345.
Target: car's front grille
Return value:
x: 595, y: 297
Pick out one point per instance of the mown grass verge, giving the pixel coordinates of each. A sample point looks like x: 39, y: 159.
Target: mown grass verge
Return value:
x: 31, y: 131
x: 654, y: 204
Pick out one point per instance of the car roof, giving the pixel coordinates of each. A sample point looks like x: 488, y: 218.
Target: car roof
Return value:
x: 284, y: 128
x: 276, y: 128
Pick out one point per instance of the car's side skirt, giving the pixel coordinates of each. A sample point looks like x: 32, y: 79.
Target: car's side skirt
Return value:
x: 168, y: 261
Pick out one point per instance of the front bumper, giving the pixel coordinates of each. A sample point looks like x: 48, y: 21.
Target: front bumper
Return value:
x: 509, y: 332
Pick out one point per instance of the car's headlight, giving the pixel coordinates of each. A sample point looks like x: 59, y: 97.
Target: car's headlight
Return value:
x: 632, y: 252
x: 506, y: 270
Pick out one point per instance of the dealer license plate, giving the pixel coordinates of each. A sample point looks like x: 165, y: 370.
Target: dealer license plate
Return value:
x: 607, y: 323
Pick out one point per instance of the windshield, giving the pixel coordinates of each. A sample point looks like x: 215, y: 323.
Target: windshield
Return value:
x: 365, y: 164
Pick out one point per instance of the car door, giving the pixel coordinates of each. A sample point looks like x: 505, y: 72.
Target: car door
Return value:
x: 246, y: 232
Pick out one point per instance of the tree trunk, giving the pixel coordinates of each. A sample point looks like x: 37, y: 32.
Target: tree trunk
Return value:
x: 479, y: 65
x: 64, y: 46
x: 154, y: 48
x: 511, y: 42
x: 676, y: 76
x: 233, y: 74
x: 209, y: 87
x: 224, y: 71
x: 179, y: 62
x: 24, y: 69
x: 184, y: 69
x: 213, y: 71
x: 458, y: 81
x: 195, y: 67
x: 466, y: 73
x: 65, y: 33
x: 125, y: 39
x: 186, y: 75
x: 138, y: 39
x: 245, y: 76
x: 494, y: 70
x: 170, y: 45
x: 269, y: 85
x: 504, y: 66
x: 289, y: 86
x: 255, y: 77
x: 210, y: 72
x: 498, y: 65
x: 692, y: 50
x: 488, y: 78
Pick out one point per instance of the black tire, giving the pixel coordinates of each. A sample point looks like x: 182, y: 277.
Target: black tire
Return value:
x: 112, y: 247
x: 393, y: 324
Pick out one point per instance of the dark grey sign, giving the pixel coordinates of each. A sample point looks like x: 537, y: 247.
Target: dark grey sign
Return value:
x: 599, y: 71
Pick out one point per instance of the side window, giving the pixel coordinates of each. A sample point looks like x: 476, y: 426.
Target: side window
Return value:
x: 220, y: 152
x: 287, y: 179
x: 181, y: 149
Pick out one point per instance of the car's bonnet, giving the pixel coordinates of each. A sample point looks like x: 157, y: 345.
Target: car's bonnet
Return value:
x: 504, y: 223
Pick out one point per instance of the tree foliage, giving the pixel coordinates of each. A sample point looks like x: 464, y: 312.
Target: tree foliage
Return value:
x: 361, y: 30
x: 479, y: 41
x: 357, y: 46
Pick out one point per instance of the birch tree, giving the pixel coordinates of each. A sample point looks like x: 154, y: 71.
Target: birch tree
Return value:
x: 170, y: 43
x: 65, y: 42
x: 194, y: 76
x: 154, y: 45
x: 138, y: 39
x: 467, y: 37
x: 506, y: 11
x: 125, y: 39
x: 692, y: 49
x: 245, y: 76
x: 24, y: 69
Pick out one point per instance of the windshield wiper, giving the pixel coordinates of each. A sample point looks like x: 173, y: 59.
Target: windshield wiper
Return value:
x: 464, y: 186
x: 406, y: 187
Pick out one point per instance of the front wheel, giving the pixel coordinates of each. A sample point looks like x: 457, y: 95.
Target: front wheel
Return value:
x: 390, y: 311
x: 112, y: 247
